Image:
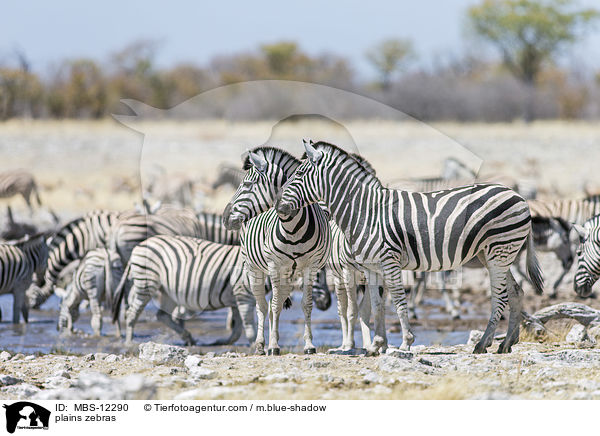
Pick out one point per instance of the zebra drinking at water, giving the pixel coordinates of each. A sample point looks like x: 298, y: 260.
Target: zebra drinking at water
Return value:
x: 588, y: 269
x: 187, y: 272
x: 391, y: 230
x: 93, y: 280
x: 283, y: 248
x: 18, y: 262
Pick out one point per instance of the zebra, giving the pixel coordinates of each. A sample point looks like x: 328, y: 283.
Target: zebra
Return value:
x: 15, y: 230
x: 19, y: 181
x: 282, y: 248
x: 576, y: 211
x: 588, y: 268
x: 19, y: 260
x: 391, y: 230
x: 187, y: 272
x: 69, y: 244
x: 229, y: 175
x: 92, y: 281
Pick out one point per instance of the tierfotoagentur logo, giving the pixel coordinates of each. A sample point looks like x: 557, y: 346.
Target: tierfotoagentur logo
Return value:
x: 24, y: 415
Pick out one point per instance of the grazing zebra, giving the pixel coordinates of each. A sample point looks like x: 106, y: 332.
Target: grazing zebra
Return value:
x: 229, y: 175
x: 588, y: 268
x: 282, y: 248
x: 187, y: 272
x: 71, y: 243
x: 15, y: 182
x: 18, y: 262
x: 391, y: 230
x: 576, y: 211
x: 93, y: 281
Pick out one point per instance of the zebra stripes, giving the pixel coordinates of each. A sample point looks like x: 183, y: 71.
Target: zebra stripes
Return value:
x: 187, y: 272
x: 20, y: 181
x: 93, y: 281
x: 18, y: 262
x: 282, y: 248
x: 229, y: 175
x: 588, y: 268
x: 391, y: 230
x: 576, y: 211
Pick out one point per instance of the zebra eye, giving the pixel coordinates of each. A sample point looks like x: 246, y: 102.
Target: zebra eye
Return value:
x: 248, y: 183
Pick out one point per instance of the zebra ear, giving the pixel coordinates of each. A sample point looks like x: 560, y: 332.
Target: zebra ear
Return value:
x: 312, y: 153
x: 258, y: 161
x: 582, y: 231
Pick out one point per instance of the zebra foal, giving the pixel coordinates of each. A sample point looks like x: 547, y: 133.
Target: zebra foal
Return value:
x: 93, y: 280
x: 186, y: 272
x: 391, y: 230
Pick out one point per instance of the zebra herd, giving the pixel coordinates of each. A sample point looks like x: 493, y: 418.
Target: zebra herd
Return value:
x: 290, y: 221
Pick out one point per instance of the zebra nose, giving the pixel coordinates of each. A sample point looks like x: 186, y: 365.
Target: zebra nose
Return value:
x: 284, y: 208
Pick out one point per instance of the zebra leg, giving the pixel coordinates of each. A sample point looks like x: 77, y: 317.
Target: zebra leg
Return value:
x: 451, y: 306
x: 352, y: 314
x: 498, y: 287
x: 515, y: 302
x: 342, y: 306
x: 18, y: 303
x: 69, y: 309
x: 138, y: 298
x: 236, y: 328
x: 378, y: 308
x: 257, y: 285
x: 393, y: 282
x: 416, y: 294
x: 307, y: 305
x: 165, y: 315
x: 95, y: 295
x: 566, y: 268
x: 364, y: 313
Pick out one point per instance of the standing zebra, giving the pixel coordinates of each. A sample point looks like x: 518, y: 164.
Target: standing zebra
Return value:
x: 18, y: 262
x: 187, y: 272
x: 15, y: 182
x: 284, y: 248
x: 588, y: 269
x: 93, y: 281
x: 391, y: 230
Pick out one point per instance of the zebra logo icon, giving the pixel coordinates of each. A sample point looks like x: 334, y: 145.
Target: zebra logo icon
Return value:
x: 26, y: 415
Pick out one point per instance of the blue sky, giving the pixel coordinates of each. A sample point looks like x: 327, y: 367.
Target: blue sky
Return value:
x: 197, y: 31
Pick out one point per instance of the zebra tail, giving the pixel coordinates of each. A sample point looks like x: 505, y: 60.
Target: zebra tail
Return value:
x: 118, y: 294
x: 533, y: 266
x: 108, y: 280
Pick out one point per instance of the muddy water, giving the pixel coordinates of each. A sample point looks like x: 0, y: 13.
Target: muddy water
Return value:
x: 40, y: 334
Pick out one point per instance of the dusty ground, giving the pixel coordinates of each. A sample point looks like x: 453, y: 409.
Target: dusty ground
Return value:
x: 532, y: 371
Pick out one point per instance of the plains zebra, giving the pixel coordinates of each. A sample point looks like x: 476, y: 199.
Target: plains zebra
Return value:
x: 297, y: 245
x: 93, y: 281
x: 576, y: 211
x: 588, y: 268
x: 71, y: 243
x: 392, y: 230
x: 187, y: 272
x: 229, y: 175
x: 19, y: 260
x: 15, y: 182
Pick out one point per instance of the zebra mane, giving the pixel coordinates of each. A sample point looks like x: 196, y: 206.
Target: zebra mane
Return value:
x: 68, y: 227
x: 279, y: 157
x: 28, y: 240
x: 364, y: 164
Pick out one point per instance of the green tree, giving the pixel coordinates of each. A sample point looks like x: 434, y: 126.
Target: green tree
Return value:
x: 390, y: 56
x: 529, y: 33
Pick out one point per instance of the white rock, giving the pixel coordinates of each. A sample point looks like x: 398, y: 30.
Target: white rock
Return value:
x: 112, y: 358
x: 277, y: 377
x: 577, y: 334
x: 318, y: 364
x: 4, y: 356
x: 162, y: 353
x: 20, y: 391
x: 100, y: 356
x: 192, y: 361
x: 372, y: 377
x: 29, y: 357
x: 393, y: 364
x: 474, y: 337
x: 202, y: 373
x: 8, y: 380
x: 396, y: 352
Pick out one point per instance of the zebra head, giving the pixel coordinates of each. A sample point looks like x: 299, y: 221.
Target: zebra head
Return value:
x: 588, y: 269
x: 305, y: 187
x: 268, y: 169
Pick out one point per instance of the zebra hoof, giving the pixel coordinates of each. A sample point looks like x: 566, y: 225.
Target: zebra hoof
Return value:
x: 311, y: 350
x: 259, y: 351
x: 274, y: 352
x: 371, y: 352
x: 479, y: 349
x: 504, y: 349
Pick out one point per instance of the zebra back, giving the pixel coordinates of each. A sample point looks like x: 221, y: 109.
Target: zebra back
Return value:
x: 20, y: 259
x: 576, y: 211
x: 15, y: 182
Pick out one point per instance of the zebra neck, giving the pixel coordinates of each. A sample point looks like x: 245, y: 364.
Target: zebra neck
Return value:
x: 292, y: 227
x: 355, y: 209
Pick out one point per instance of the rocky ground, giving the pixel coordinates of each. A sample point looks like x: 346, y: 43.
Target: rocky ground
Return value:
x: 532, y: 371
